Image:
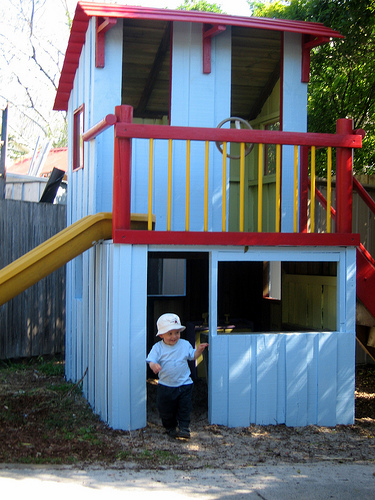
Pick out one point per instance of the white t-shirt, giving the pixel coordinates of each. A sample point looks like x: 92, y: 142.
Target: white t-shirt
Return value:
x: 173, y: 360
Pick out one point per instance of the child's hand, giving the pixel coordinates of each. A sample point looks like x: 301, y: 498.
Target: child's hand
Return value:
x: 200, y: 349
x: 155, y: 367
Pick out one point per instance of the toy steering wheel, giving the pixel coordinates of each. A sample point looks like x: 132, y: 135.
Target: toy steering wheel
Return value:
x: 237, y: 122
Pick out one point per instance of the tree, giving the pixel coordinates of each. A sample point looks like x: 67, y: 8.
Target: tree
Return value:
x: 33, y: 38
x: 342, y: 81
x: 200, y: 5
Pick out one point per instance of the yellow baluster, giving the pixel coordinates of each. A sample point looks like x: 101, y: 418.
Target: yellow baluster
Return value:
x: 260, y: 188
x: 224, y: 201
x: 278, y: 186
x: 169, y: 201
x: 150, y: 180
x: 295, y: 224
x: 329, y: 188
x: 187, y: 209
x: 313, y: 184
x: 242, y: 185
x: 206, y: 158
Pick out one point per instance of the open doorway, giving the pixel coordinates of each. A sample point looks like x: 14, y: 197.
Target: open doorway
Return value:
x: 178, y: 282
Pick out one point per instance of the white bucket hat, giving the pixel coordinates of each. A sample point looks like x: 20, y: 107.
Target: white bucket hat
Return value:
x: 168, y: 322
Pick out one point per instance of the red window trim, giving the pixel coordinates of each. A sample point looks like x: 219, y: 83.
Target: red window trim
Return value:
x: 78, y: 128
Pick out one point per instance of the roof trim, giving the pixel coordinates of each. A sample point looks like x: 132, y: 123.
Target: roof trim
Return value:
x: 86, y: 10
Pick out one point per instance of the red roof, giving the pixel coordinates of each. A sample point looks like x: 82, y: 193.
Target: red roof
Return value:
x: 57, y: 157
x: 86, y: 10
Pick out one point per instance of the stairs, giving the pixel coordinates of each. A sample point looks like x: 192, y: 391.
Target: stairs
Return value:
x: 366, y: 296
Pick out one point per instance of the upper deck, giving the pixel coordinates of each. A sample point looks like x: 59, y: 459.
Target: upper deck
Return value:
x: 210, y: 212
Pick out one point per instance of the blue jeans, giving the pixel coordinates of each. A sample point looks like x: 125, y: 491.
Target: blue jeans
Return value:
x: 174, y: 405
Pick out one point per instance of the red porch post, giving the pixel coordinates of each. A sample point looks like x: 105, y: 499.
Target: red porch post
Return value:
x: 122, y: 173
x: 344, y: 180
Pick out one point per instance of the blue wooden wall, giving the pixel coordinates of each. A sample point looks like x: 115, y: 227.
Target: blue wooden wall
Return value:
x: 90, y: 188
x: 113, y: 346
x: 298, y: 378
x: 197, y: 100
x: 294, y: 119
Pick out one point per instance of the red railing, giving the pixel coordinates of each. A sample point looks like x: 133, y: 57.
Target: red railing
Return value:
x: 125, y: 131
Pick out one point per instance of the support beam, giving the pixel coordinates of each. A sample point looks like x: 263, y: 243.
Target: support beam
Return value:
x: 208, y: 32
x: 102, y: 26
x: 309, y: 42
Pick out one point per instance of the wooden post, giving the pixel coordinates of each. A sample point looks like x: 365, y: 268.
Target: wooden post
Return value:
x: 304, y: 189
x: 344, y: 180
x: 4, y: 141
x: 122, y: 173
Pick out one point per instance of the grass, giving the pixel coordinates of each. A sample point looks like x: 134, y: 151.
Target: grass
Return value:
x: 45, y: 420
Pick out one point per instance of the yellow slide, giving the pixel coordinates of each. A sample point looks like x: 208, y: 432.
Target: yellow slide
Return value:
x: 53, y: 253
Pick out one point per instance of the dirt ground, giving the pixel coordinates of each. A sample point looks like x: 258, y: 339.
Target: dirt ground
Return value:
x: 45, y: 420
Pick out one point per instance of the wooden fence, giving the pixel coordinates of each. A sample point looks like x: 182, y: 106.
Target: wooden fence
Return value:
x: 33, y: 323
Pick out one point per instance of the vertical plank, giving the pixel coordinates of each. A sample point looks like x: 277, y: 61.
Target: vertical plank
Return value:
x: 266, y: 395
x: 33, y: 323
x: 346, y: 347
x: 312, y: 350
x: 104, y: 332
x: 296, y: 380
x: 218, y: 380
x: 138, y: 336
x: 128, y: 371
x: 239, y: 380
x: 327, y: 376
x: 97, y: 333
x: 119, y: 414
x: 281, y: 381
x: 110, y: 305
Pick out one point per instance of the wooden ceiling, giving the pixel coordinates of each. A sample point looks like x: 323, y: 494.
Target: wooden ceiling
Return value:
x: 146, y: 68
x: 255, y: 69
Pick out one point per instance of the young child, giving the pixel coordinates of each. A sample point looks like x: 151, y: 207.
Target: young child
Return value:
x: 168, y: 359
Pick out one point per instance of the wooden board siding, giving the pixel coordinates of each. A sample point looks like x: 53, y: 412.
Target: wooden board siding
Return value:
x: 294, y: 119
x: 199, y: 100
x: 127, y: 339
x: 109, y: 341
x: 298, y: 378
x: 90, y: 191
x: 33, y: 323
x: 270, y: 379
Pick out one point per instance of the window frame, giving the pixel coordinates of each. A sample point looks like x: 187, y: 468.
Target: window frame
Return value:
x: 78, y: 128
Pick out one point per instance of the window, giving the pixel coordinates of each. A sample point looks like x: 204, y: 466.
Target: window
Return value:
x: 166, y: 277
x: 78, y: 127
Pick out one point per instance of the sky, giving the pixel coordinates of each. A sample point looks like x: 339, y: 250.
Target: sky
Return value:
x: 50, y: 37
x: 233, y: 7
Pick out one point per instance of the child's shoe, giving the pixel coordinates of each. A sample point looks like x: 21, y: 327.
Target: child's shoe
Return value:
x: 172, y: 432
x: 184, y: 433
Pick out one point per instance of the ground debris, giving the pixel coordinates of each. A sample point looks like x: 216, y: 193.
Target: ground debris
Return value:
x: 43, y: 419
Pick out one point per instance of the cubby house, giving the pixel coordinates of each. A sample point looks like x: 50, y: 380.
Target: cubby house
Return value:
x: 189, y: 130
